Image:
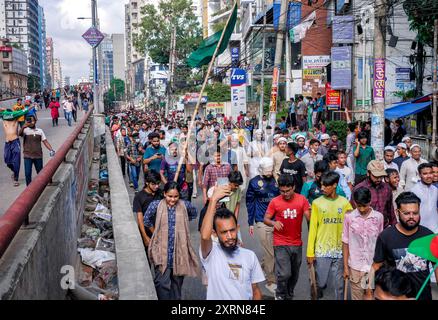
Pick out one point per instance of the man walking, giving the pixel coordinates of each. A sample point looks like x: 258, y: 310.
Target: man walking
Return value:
x: 409, y: 169
x: 285, y: 214
x: 261, y: 190
x: 363, y: 154
x: 32, y: 150
x: 428, y: 194
x: 381, y: 192
x: 311, y: 157
x: 324, y: 248
x: 233, y: 272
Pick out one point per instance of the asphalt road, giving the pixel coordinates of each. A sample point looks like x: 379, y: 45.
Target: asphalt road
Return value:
x: 56, y: 137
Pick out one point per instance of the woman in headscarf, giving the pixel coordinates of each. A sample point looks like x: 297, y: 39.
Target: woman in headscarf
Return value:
x: 170, y: 250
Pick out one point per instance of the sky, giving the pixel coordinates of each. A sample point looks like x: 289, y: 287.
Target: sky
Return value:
x: 66, y: 30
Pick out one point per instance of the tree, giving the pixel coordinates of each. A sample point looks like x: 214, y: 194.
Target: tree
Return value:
x: 156, y: 29
x: 111, y: 96
x: 421, y: 15
x: 33, y: 83
x: 218, y: 92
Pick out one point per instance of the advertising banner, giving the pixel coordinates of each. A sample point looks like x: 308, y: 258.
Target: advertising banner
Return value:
x: 333, y: 99
x: 343, y: 29
x: 313, y: 69
x: 379, y: 81
x: 238, y: 89
x: 341, y: 68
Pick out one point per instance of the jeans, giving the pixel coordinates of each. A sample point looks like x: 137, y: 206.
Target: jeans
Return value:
x: 134, y: 172
x: 38, y: 163
x: 54, y: 122
x: 68, y: 116
x: 287, y: 269
x: 74, y: 114
x: 330, y: 268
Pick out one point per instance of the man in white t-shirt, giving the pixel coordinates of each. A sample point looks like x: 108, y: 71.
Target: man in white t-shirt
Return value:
x: 233, y: 272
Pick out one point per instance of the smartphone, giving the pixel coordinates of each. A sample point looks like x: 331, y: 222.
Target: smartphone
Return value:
x: 223, y: 182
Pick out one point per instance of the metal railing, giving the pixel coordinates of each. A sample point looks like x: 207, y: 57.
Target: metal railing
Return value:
x: 16, y: 214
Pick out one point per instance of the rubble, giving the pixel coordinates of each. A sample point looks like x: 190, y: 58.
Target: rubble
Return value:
x: 97, y: 272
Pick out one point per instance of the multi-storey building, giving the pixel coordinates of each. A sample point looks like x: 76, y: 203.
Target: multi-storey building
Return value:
x: 13, y: 70
x: 57, y: 73
x: 107, y: 61
x: 42, y: 48
x: 49, y: 62
x: 118, y: 55
x: 21, y: 27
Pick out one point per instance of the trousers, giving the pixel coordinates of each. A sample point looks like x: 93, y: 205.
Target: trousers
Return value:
x: 38, y: 163
x: 167, y: 285
x: 287, y: 269
x: 265, y: 235
x: 330, y: 269
x: 12, y: 156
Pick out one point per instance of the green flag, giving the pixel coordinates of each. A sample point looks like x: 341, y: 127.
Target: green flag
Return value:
x: 206, y: 49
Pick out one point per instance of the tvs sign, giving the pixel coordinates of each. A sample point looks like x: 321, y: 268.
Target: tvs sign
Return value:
x: 238, y: 91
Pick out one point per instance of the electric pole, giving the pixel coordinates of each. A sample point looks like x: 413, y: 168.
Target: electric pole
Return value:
x: 262, y: 83
x: 277, y: 61
x: 435, y: 84
x: 378, y: 109
x: 95, y: 97
x: 171, y: 70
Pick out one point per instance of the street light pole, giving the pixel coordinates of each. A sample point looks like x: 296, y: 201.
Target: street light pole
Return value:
x: 95, y: 94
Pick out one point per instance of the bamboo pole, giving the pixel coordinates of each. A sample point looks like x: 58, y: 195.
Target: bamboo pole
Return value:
x: 192, y: 122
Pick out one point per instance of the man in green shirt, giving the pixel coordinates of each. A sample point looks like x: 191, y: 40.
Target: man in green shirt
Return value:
x: 363, y: 154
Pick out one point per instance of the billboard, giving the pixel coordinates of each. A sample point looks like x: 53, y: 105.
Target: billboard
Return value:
x: 341, y: 68
x: 313, y: 71
x: 238, y: 89
x: 343, y: 29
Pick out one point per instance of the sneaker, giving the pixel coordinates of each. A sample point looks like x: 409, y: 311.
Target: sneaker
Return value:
x: 131, y: 185
x: 271, y: 287
x: 194, y: 196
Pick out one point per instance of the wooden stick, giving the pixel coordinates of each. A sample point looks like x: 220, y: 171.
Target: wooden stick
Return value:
x: 192, y: 122
x: 346, y: 289
x: 313, y: 289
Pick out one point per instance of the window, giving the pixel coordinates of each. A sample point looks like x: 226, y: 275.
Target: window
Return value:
x: 5, y: 54
x: 6, y: 65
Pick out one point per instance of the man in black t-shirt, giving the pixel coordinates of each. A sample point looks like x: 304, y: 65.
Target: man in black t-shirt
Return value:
x: 392, y: 244
x: 294, y: 166
x: 143, y: 199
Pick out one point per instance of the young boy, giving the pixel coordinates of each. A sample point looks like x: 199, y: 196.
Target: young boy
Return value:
x: 359, y: 236
x: 324, y: 247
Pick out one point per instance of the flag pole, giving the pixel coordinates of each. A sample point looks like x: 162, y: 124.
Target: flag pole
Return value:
x: 192, y: 122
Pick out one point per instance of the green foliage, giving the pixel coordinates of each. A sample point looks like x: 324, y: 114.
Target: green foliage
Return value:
x: 421, y: 15
x: 111, y: 96
x: 340, y: 127
x: 218, y: 92
x: 33, y: 83
x: 405, y: 95
x: 157, y: 25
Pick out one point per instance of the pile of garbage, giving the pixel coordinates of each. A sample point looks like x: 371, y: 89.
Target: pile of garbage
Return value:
x: 96, y: 246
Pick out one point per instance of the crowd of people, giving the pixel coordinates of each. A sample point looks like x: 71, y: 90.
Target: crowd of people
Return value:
x: 361, y: 213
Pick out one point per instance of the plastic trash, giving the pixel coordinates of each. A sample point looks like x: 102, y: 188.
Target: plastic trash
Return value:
x: 95, y: 258
x: 102, y: 212
x: 105, y: 244
x: 86, y: 243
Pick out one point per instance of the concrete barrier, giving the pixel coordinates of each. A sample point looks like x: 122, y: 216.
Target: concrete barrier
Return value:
x: 134, y: 274
x: 31, y: 266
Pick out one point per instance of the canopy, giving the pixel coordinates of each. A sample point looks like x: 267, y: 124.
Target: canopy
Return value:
x: 406, y: 109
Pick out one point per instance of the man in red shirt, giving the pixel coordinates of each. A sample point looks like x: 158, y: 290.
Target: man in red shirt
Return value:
x: 288, y: 210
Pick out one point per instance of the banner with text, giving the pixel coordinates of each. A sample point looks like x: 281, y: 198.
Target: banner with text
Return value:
x: 238, y: 89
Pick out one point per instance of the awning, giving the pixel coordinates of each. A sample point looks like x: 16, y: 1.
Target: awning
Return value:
x: 406, y: 109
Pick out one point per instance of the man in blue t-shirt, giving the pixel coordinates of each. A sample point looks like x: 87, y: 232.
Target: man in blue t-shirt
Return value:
x: 154, y: 154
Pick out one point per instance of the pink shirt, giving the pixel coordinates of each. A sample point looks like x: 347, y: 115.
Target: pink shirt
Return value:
x: 361, y: 235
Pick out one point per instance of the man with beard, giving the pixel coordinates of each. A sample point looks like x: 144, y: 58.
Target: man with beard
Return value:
x: 279, y: 156
x: 302, y: 150
x: 261, y: 190
x: 428, y: 195
x: 285, y: 214
x: 154, y: 154
x: 409, y: 169
x: 388, y: 157
x: 233, y: 272
x: 392, y: 245
x: 381, y: 192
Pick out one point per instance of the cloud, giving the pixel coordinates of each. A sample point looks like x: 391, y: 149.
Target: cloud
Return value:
x: 66, y: 30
